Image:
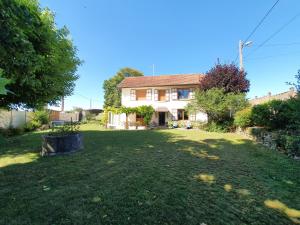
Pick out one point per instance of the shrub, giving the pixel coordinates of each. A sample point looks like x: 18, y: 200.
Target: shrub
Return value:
x: 198, y: 124
x: 292, y: 145
x: 276, y: 114
x: 242, y: 118
x: 38, y: 119
x: 219, y: 127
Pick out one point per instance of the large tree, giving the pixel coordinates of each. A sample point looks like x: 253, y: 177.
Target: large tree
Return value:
x: 219, y: 105
x: 3, y: 83
x: 226, y: 76
x: 38, y: 58
x: 112, y: 95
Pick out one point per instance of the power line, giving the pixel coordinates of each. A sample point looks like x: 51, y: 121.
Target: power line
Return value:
x: 275, y: 33
x: 258, y: 25
x: 262, y: 20
x: 87, y: 98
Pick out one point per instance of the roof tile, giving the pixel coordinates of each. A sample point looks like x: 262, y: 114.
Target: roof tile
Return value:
x: 162, y: 80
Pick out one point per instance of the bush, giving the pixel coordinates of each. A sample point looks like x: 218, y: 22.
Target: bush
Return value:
x: 292, y: 145
x: 219, y: 127
x: 39, y: 118
x: 276, y: 114
x: 198, y: 124
x: 242, y: 118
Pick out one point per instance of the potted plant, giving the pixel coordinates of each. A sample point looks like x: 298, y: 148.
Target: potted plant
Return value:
x: 63, y: 139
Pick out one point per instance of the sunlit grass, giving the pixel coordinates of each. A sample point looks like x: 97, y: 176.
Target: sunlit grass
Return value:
x: 293, y: 214
x: 18, y: 159
x: 206, y: 178
x: 148, y: 177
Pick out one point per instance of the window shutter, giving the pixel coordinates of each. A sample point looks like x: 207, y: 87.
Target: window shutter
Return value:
x: 132, y: 95
x: 167, y: 95
x: 155, y: 95
x: 174, y: 94
x: 192, y: 93
x: 174, y: 114
x: 149, y: 94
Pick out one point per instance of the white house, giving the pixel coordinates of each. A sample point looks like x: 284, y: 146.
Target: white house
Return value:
x: 167, y: 94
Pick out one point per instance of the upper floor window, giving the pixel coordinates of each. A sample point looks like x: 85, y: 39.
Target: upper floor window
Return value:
x: 161, y: 95
x: 141, y: 94
x: 183, y: 93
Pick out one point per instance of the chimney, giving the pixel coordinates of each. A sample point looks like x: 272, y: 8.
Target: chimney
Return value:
x: 269, y: 94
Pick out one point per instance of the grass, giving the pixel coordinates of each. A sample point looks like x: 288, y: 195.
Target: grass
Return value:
x: 148, y: 177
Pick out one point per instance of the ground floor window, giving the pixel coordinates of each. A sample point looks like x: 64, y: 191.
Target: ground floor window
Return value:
x: 182, y: 114
x: 139, y: 118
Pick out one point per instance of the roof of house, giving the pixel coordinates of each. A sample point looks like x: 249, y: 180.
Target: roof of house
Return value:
x: 162, y: 80
x: 281, y: 96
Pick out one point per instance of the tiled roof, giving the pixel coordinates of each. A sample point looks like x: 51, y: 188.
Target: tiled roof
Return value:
x: 281, y: 96
x: 162, y: 80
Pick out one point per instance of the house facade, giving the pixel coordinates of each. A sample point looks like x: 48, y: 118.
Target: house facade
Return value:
x: 167, y: 94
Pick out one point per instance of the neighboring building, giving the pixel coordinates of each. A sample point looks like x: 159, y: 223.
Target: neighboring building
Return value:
x: 168, y: 94
x: 281, y: 96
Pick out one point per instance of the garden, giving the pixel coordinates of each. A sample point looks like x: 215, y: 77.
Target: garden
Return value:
x: 148, y: 177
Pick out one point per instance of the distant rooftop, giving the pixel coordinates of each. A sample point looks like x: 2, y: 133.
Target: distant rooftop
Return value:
x: 281, y: 96
x: 162, y: 80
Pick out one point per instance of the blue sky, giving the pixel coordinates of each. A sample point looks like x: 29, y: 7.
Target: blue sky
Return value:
x: 178, y: 37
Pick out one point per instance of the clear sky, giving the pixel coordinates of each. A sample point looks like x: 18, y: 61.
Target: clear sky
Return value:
x: 178, y: 37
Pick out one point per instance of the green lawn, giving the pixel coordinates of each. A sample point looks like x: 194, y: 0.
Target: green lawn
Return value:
x: 148, y: 177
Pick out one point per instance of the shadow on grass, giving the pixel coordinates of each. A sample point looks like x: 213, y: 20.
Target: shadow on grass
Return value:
x: 155, y: 177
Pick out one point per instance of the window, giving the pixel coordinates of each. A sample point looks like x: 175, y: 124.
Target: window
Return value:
x: 139, y: 118
x: 182, y: 114
x: 141, y: 94
x: 161, y: 95
x: 183, y: 93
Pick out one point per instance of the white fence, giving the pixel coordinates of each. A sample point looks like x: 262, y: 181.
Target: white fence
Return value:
x: 14, y: 118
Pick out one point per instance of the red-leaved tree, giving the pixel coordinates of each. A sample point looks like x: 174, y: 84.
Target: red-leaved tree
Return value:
x: 226, y: 76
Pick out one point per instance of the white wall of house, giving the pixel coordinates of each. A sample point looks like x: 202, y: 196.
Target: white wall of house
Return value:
x: 170, y: 105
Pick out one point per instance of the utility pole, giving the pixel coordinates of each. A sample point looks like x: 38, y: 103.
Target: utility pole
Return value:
x: 241, y: 46
x: 241, y: 55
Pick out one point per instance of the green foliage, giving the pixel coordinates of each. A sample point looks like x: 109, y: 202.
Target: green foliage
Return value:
x: 38, y: 58
x: 146, y: 112
x: 292, y: 145
x: 220, y: 127
x: 218, y: 105
x: 3, y: 83
x: 66, y: 129
x: 112, y: 94
x: 276, y: 114
x: 38, y: 119
x: 243, y: 117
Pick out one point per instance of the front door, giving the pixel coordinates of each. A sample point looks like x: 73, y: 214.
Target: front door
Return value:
x: 162, y: 119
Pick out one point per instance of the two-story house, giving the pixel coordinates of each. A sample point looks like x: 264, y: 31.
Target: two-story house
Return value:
x: 167, y: 94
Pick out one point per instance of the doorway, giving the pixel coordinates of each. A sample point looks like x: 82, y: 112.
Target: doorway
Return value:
x: 162, y: 118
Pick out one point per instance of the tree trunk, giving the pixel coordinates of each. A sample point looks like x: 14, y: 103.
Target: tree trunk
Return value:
x: 126, y: 123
